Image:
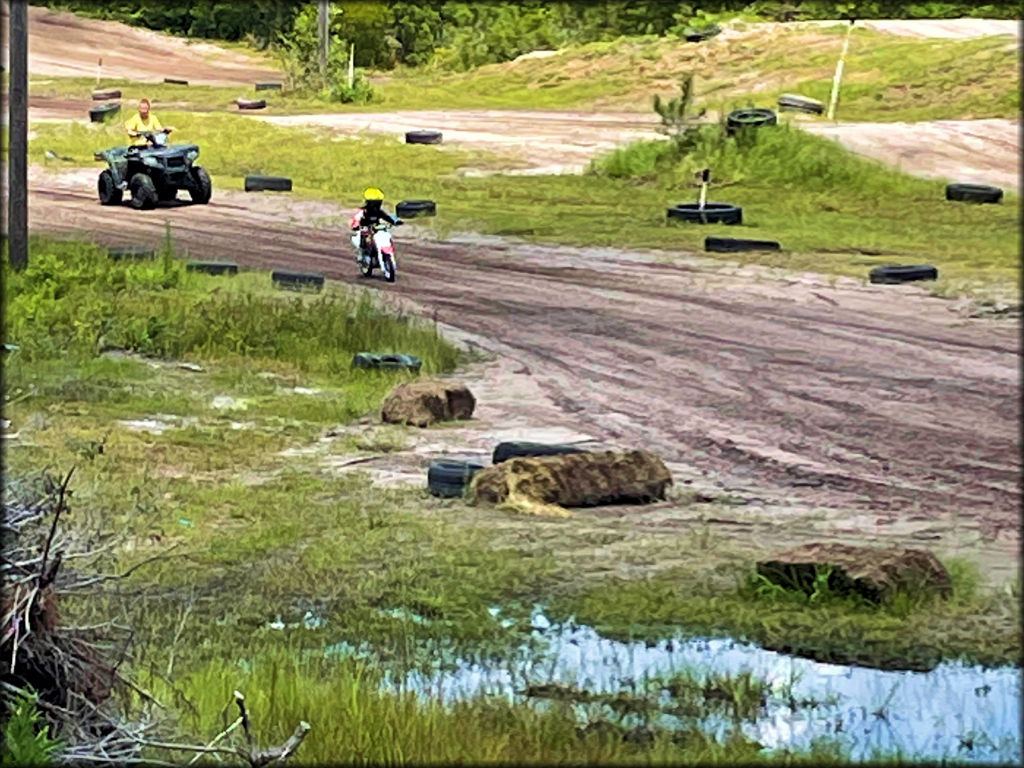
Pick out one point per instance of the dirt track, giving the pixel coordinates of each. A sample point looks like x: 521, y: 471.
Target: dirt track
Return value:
x: 65, y: 45
x: 877, y: 402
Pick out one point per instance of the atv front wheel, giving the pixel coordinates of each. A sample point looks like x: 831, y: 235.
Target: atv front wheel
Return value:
x: 108, y: 191
x: 202, y: 189
x: 143, y: 192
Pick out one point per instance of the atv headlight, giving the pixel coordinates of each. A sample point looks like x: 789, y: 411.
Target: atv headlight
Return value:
x: 191, y: 155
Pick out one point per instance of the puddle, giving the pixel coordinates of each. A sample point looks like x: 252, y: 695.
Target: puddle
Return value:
x: 954, y: 711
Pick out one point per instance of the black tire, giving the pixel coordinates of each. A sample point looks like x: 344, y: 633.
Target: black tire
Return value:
x: 893, y: 274
x: 409, y: 209
x: 712, y: 213
x: 101, y: 94
x: 422, y: 137
x: 796, y: 103
x: 143, y: 191
x: 203, y: 190
x: 449, y: 479
x: 973, y: 193
x: 749, y: 118
x: 692, y: 35
x: 297, y: 280
x: 103, y: 112
x: 268, y: 86
x: 137, y: 252
x: 255, y: 183
x: 251, y: 103
x: 108, y: 191
x: 512, y: 450
x: 213, y: 267
x: 377, y: 361
x: 388, y: 268
x: 734, y: 245
x: 175, y: 81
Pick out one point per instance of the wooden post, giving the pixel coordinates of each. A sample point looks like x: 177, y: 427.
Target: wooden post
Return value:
x: 839, y: 75
x: 324, y: 31
x: 17, y: 123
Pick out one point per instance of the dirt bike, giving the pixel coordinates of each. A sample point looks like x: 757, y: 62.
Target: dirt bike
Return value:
x: 376, y: 250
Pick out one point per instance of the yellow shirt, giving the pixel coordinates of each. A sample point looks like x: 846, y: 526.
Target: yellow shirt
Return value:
x: 136, y: 123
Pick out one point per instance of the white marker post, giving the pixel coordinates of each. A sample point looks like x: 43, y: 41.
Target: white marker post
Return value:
x: 351, y: 65
x: 839, y: 74
x: 705, y: 176
x: 99, y: 69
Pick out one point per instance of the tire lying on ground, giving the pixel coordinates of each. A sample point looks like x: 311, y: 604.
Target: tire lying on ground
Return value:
x: 712, y: 213
x: 213, y: 267
x: 449, y: 479
x: 408, y: 209
x: 423, y: 137
x: 120, y: 252
x: 735, y: 245
x: 749, y: 118
x: 255, y: 183
x: 797, y: 103
x: 892, y: 274
x: 103, y: 112
x: 515, y: 450
x: 268, y: 86
x: 548, y: 484
x: 284, y: 278
x: 375, y: 361
x: 251, y: 103
x: 692, y: 35
x: 106, y: 94
x: 973, y: 193
x: 175, y: 81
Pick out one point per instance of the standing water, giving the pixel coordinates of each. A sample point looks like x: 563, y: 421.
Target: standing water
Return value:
x: 957, y: 712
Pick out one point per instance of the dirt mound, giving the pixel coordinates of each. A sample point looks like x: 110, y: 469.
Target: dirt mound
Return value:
x: 422, y: 403
x: 548, y: 484
x: 868, y: 571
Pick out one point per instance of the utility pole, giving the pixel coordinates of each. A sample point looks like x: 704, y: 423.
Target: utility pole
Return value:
x: 324, y: 27
x: 17, y: 124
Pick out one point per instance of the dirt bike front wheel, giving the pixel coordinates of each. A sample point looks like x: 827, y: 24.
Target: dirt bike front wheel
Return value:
x: 388, y: 268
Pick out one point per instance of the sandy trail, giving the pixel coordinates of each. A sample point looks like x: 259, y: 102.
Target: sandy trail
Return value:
x: 870, y: 403
x: 65, y: 45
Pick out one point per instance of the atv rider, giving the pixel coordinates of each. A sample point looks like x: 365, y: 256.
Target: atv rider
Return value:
x: 137, y: 126
x: 366, y: 216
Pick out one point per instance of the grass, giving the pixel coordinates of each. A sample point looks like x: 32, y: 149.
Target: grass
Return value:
x: 887, y: 78
x: 250, y: 524
x: 905, y: 632
x: 834, y: 212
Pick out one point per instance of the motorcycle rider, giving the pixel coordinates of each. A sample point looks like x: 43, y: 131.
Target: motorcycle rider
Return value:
x: 368, y: 214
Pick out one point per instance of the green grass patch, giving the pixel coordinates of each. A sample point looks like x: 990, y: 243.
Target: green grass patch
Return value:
x: 905, y: 632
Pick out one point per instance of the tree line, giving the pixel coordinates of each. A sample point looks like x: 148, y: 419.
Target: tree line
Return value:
x: 461, y: 35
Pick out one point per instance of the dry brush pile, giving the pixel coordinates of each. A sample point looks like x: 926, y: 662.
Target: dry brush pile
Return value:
x: 75, y: 673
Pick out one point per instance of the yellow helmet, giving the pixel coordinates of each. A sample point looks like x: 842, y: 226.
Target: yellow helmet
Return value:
x: 372, y: 193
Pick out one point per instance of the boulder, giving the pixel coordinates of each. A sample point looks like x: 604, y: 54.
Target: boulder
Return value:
x: 424, y: 402
x: 871, y: 572
x: 548, y: 484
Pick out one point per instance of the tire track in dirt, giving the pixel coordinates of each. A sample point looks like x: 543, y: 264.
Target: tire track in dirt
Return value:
x: 878, y: 402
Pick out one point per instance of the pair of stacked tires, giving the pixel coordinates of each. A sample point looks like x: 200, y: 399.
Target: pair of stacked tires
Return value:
x: 450, y: 479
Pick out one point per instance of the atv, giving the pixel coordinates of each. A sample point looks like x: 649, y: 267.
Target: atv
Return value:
x: 154, y: 173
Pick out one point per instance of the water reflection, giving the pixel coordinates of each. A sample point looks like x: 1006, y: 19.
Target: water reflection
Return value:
x: 954, y: 711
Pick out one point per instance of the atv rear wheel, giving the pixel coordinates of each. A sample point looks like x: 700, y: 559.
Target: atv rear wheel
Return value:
x: 203, y: 189
x: 108, y: 191
x: 143, y: 192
